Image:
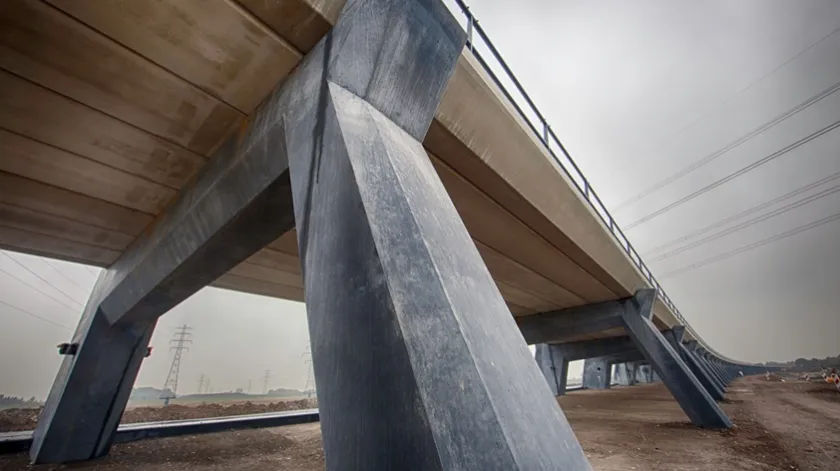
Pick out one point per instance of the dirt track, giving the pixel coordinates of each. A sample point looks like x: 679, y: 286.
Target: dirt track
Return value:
x: 780, y: 426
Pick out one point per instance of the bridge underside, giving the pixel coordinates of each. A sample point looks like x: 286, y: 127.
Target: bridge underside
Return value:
x: 95, y: 152
x: 357, y: 150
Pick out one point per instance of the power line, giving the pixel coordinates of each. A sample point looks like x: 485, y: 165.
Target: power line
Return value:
x: 735, y: 174
x: 723, y: 150
x: 63, y: 303
x: 752, y: 246
x: 36, y: 316
x: 743, y: 90
x: 42, y: 279
x: 71, y: 280
x: 744, y: 213
x: 745, y: 224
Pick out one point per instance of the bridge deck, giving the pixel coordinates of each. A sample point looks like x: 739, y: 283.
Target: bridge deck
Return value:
x: 109, y: 109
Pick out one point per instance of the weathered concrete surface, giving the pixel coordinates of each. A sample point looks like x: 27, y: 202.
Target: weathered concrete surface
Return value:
x: 423, y: 368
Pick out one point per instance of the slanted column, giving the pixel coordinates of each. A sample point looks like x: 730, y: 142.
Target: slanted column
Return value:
x: 675, y: 338
x: 596, y: 373
x: 693, y: 348
x: 554, y: 367
x: 418, y: 363
x: 644, y: 373
x: 687, y: 390
x: 716, y: 367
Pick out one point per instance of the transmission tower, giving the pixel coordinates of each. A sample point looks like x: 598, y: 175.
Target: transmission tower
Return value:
x: 310, y: 378
x: 265, y: 381
x: 200, y: 383
x: 249, y: 387
x: 178, y: 344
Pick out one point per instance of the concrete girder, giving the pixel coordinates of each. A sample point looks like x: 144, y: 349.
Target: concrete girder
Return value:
x: 584, y: 349
x: 687, y: 390
x: 563, y: 324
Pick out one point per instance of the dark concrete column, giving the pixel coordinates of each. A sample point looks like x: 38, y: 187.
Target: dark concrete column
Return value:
x: 644, y: 373
x: 419, y: 364
x: 626, y: 373
x: 694, y: 348
x: 674, y: 337
x: 718, y: 368
x: 597, y: 373
x: 553, y: 366
x: 687, y: 390
x: 700, y: 361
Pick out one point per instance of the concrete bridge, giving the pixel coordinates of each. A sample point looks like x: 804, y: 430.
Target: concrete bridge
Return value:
x: 362, y: 151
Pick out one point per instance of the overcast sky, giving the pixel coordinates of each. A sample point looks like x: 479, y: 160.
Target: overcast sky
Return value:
x: 637, y: 91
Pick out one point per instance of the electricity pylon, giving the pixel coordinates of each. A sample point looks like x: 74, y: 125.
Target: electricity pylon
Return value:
x: 178, y: 344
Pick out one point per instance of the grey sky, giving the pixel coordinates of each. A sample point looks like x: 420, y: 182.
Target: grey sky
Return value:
x: 637, y: 90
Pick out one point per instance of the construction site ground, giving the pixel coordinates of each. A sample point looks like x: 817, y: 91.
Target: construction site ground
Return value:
x: 791, y: 425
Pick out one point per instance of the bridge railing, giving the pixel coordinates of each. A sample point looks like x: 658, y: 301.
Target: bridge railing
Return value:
x: 506, y: 81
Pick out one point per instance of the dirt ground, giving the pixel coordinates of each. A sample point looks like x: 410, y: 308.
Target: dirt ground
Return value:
x: 779, y: 426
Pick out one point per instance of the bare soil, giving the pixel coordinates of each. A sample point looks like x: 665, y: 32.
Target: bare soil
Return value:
x: 789, y: 426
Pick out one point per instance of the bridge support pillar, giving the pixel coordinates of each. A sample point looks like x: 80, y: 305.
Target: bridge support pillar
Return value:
x: 724, y: 378
x: 687, y: 390
x: 419, y: 364
x: 626, y: 373
x: 554, y: 367
x: 704, y: 365
x: 708, y: 366
x: 675, y: 338
x: 597, y: 373
x: 644, y: 373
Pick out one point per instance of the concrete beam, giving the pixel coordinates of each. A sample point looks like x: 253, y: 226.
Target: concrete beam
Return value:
x: 687, y: 390
x: 418, y: 363
x: 564, y: 324
x: 584, y: 349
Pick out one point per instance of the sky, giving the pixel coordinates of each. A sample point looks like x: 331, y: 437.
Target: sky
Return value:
x: 638, y: 91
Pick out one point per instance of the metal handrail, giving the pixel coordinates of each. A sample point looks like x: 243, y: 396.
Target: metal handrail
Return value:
x: 546, y: 135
